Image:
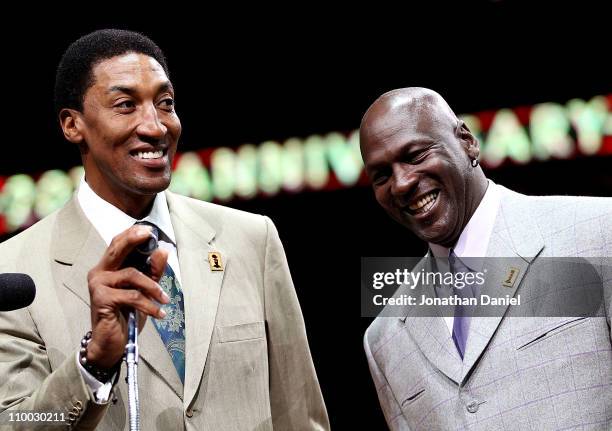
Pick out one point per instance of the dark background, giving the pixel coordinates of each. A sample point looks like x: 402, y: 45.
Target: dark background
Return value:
x: 240, y: 79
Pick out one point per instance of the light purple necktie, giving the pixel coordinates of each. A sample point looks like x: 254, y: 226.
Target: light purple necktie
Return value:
x: 461, y: 322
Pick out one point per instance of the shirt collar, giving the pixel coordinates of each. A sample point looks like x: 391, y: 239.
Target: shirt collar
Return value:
x: 110, y: 221
x: 474, y: 238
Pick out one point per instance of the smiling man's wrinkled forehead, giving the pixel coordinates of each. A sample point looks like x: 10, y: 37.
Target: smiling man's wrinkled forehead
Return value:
x: 413, y: 107
x: 126, y: 71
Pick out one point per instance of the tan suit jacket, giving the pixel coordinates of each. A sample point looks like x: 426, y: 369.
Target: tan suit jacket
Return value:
x: 248, y: 365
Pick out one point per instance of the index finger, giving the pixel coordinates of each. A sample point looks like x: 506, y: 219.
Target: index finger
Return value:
x: 122, y: 245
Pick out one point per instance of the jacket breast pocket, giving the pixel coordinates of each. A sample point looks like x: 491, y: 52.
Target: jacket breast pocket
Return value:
x: 555, y: 330
x: 241, y: 332
x: 568, y: 355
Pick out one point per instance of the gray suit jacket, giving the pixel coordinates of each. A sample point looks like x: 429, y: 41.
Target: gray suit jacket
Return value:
x: 518, y: 373
x: 248, y: 365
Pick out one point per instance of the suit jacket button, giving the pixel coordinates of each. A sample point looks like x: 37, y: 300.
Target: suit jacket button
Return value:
x: 189, y: 413
x: 472, y: 407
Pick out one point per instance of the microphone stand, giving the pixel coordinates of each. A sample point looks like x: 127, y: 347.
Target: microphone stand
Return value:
x: 139, y: 258
x: 131, y: 359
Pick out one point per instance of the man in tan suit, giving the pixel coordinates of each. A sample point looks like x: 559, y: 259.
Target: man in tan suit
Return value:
x: 224, y: 347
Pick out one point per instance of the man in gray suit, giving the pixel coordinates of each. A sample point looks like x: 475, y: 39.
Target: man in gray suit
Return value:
x: 225, y: 346
x: 496, y: 372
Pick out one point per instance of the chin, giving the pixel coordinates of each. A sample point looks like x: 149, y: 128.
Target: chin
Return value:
x: 152, y: 186
x: 437, y: 233
x: 430, y: 237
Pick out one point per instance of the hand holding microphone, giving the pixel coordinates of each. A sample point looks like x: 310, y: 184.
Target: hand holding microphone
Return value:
x: 114, y: 289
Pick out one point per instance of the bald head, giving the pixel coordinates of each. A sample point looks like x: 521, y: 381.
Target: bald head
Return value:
x: 419, y: 157
x: 411, y: 103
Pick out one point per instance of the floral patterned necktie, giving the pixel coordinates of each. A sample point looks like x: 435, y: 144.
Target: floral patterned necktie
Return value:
x: 172, y: 327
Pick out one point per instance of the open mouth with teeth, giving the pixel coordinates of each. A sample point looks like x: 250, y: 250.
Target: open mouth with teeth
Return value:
x: 155, y: 160
x: 423, y: 204
x: 148, y: 155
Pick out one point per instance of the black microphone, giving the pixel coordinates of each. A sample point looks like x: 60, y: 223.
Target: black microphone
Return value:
x: 16, y: 291
x: 139, y: 257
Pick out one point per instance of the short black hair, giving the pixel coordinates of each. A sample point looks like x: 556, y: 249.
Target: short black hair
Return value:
x: 74, y: 72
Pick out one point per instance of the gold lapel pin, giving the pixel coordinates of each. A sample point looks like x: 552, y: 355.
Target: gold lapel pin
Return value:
x: 214, y: 259
x: 510, y: 277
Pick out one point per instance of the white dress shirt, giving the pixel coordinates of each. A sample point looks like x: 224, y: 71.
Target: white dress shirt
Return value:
x: 110, y: 221
x: 474, y: 239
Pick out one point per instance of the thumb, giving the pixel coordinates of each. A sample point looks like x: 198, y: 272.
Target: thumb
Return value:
x: 158, y: 261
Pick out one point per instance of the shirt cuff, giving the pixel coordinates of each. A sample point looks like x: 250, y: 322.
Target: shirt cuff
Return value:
x: 100, y: 390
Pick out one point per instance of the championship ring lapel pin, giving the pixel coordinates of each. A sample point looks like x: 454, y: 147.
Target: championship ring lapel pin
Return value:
x: 214, y: 259
x: 510, y: 277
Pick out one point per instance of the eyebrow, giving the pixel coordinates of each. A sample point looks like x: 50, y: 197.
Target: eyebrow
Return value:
x: 420, y: 141
x: 407, y: 148
x: 164, y: 86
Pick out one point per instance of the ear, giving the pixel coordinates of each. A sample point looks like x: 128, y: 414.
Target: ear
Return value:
x: 468, y: 140
x: 71, y: 122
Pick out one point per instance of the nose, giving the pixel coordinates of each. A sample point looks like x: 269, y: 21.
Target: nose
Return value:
x: 404, y: 182
x: 150, y: 124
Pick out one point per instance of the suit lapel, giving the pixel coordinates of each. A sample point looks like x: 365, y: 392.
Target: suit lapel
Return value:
x: 77, y: 244
x: 482, y: 329
x: 514, y: 243
x: 201, y: 288
x: 428, y: 329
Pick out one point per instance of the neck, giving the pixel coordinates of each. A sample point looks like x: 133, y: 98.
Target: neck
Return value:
x: 136, y: 206
x: 478, y: 188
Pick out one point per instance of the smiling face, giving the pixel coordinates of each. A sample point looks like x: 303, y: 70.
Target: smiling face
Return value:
x: 128, y: 131
x: 418, y: 157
